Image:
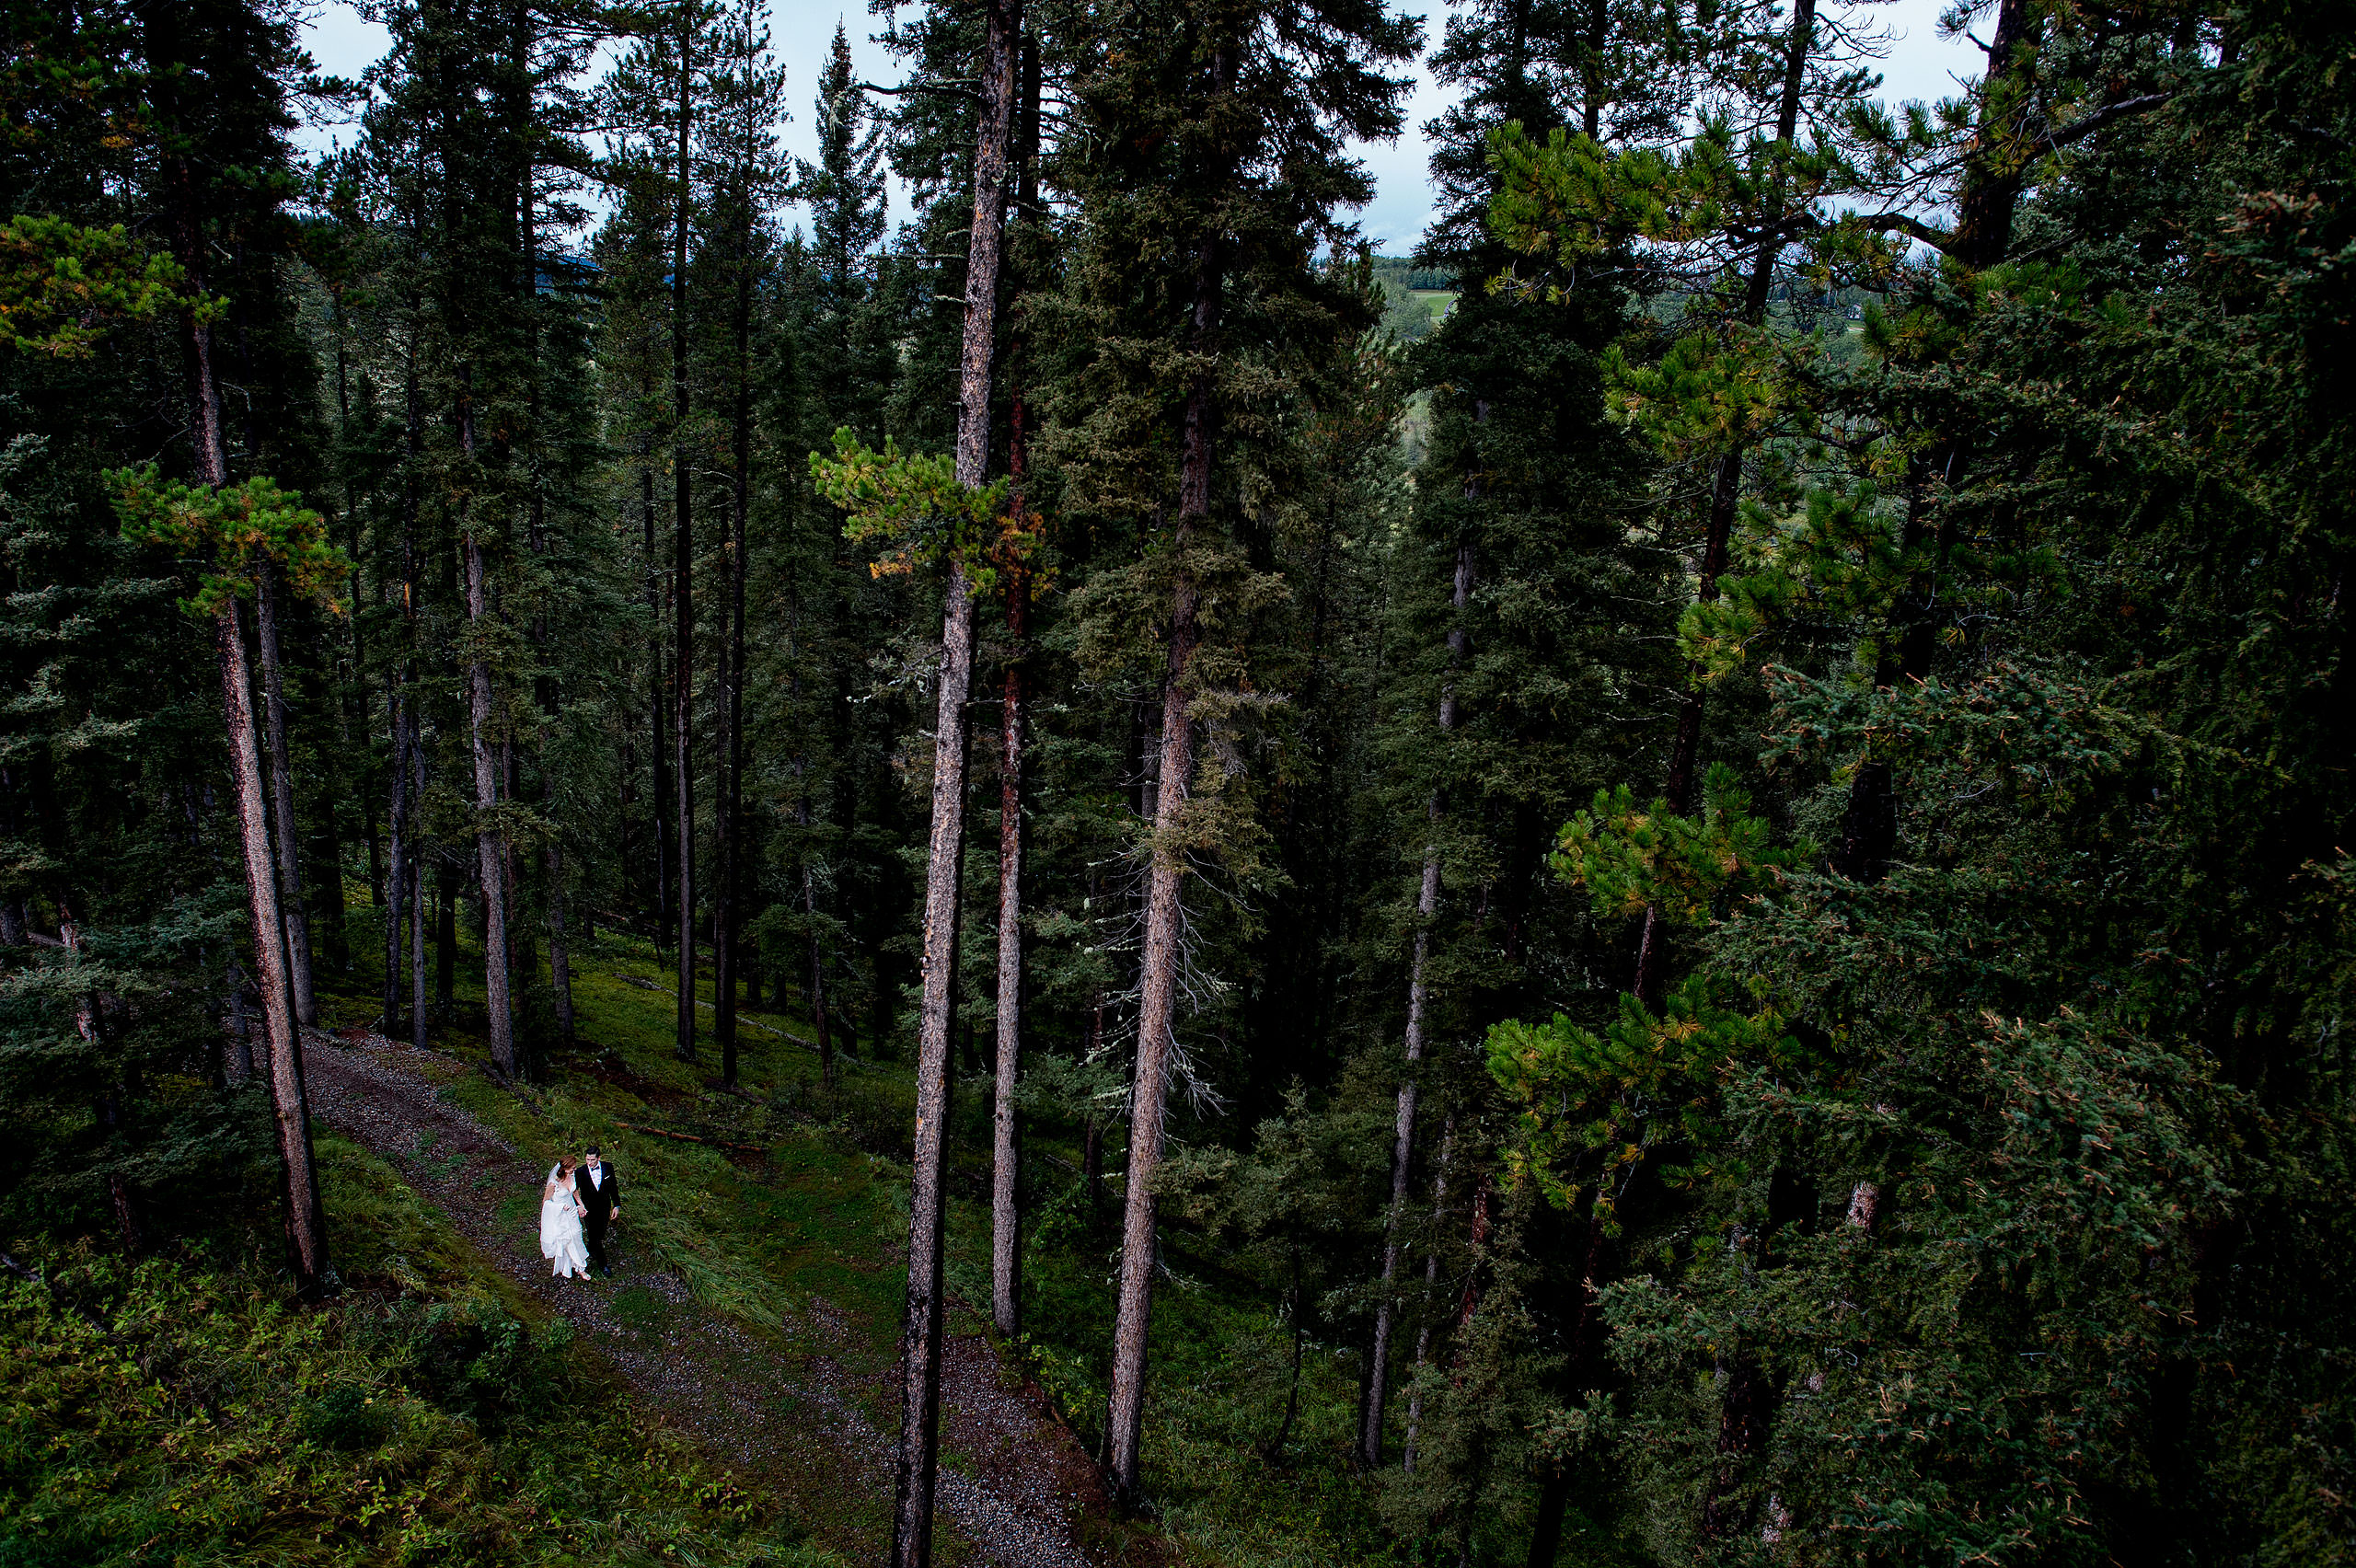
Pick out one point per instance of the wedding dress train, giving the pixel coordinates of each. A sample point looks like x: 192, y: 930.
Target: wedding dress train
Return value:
x: 560, y: 1237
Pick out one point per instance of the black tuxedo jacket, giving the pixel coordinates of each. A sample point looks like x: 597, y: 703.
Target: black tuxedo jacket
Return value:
x: 600, y: 1198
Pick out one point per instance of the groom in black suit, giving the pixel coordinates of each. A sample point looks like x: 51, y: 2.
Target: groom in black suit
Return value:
x: 600, y: 1192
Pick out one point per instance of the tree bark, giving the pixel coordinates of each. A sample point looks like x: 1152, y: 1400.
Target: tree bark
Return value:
x: 732, y: 744
x: 1006, y: 1169
x: 559, y: 950
x: 490, y: 853
x: 409, y: 767
x: 1997, y: 165
x: 241, y: 1055
x: 281, y: 800
x: 420, y: 1016
x: 683, y: 563
x: 306, y: 1220
x: 658, y: 748
x: 1006, y: 1242
x: 89, y: 1021
x: 1431, y: 1287
x: 1418, y: 1000
x: 1164, y: 912
x: 816, y: 994
x: 445, y: 940
x: 920, y: 1329
x: 396, y: 887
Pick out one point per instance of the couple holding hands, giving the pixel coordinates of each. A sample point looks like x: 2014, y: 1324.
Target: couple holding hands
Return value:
x: 580, y: 1199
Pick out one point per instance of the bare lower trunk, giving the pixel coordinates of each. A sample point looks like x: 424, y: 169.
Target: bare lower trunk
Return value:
x: 683, y: 565
x: 560, y: 952
x: 658, y: 748
x: 920, y: 1327
x: 1005, y: 1207
x: 241, y: 1051
x: 397, y: 868
x: 490, y: 854
x: 732, y: 652
x: 281, y: 800
x: 420, y: 1016
x: 1403, y: 1146
x: 1149, y: 1090
x: 89, y: 1021
x: 306, y: 1221
x: 815, y: 995
x: 1164, y: 914
x: 1431, y: 1287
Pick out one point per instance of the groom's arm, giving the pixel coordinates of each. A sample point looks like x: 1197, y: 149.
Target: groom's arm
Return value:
x: 614, y: 1197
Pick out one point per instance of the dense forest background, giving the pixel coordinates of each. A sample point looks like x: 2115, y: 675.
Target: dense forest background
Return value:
x: 1667, y: 885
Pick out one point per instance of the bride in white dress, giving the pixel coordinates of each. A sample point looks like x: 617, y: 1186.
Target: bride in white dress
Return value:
x: 560, y: 1212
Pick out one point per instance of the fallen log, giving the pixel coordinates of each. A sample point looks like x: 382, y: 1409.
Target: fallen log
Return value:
x: 690, y: 1138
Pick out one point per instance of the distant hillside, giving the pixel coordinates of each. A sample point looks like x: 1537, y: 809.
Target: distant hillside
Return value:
x: 1407, y: 275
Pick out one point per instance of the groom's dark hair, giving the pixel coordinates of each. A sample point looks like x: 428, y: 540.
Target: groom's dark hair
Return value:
x: 595, y: 1150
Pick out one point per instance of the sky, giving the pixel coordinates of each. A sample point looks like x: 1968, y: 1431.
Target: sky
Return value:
x: 1920, y: 65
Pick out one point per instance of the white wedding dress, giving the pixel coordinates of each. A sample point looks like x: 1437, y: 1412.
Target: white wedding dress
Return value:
x: 561, y: 1239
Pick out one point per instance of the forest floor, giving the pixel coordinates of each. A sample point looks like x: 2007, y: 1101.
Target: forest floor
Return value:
x: 755, y: 1308
x: 799, y: 1407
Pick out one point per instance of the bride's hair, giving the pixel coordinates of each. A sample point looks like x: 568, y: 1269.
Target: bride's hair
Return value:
x: 557, y: 1173
x: 566, y: 1164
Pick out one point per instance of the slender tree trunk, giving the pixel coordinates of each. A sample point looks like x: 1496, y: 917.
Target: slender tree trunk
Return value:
x: 446, y: 941
x: 816, y: 995
x: 489, y: 851
x: 89, y: 1021
x: 1995, y: 172
x: 732, y: 657
x: 281, y: 800
x: 527, y: 235
x: 920, y: 1328
x: 683, y: 563
x: 1402, y: 1143
x: 1006, y: 1243
x: 306, y: 1220
x: 559, y: 950
x: 1164, y: 912
x: 1006, y: 1169
x: 658, y: 745
x: 395, y: 888
x: 241, y: 1055
x: 420, y: 1014
x: 329, y: 868
x: 1726, y: 492
x: 1431, y: 1290
x: 409, y: 767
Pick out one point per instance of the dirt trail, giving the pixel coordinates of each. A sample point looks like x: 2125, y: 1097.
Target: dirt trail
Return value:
x: 755, y: 1409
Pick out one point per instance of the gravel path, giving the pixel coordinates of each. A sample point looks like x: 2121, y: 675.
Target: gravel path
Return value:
x: 1021, y: 1484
